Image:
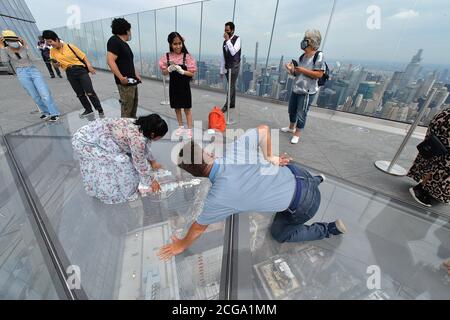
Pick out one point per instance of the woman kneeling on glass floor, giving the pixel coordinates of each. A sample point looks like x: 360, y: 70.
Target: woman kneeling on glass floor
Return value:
x: 115, y: 158
x: 310, y: 68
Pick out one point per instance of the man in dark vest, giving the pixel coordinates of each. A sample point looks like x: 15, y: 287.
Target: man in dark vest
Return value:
x: 231, y: 60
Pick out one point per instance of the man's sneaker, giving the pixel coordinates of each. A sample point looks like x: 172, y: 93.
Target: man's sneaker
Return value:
x: 420, y: 195
x: 54, y: 118
x: 45, y: 117
x: 59, y: 75
x: 295, y: 140
x: 287, y: 129
x: 86, y: 113
x: 337, y: 228
x: 53, y: 77
x: 322, y: 178
x: 180, y: 131
x: 101, y: 114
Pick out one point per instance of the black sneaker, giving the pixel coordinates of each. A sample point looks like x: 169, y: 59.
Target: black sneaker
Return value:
x: 53, y: 77
x: 44, y: 117
x: 86, y: 113
x: 421, y: 196
x: 101, y: 113
x: 53, y: 119
x: 60, y: 76
x: 225, y: 109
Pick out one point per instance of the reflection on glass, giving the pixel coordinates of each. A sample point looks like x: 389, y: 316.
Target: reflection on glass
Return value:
x: 148, y: 45
x: 23, y: 271
x: 165, y: 24
x: 115, y: 246
x: 405, y: 246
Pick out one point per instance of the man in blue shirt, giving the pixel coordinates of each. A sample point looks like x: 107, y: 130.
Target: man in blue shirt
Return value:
x: 250, y: 179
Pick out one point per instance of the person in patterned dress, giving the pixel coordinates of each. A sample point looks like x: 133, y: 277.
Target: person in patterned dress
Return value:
x: 116, y: 162
x: 433, y: 175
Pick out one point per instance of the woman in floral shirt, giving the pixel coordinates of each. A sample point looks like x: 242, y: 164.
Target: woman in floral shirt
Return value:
x: 104, y: 146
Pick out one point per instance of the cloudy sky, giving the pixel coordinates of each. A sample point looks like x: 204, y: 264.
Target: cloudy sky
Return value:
x: 403, y: 27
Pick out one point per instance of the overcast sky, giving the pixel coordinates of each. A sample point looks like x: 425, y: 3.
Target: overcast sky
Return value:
x: 405, y: 25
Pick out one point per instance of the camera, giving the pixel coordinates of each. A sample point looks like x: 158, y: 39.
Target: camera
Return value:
x: 295, y: 63
x: 133, y: 82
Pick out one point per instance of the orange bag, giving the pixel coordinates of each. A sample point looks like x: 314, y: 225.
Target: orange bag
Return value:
x: 217, y: 120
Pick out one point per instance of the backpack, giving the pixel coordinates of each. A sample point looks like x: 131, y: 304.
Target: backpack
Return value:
x: 326, y: 75
x: 217, y: 120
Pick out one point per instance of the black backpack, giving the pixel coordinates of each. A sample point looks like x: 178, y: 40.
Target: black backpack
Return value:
x: 326, y: 74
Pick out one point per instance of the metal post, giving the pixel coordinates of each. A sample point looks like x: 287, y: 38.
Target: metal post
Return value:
x: 140, y: 45
x: 166, y: 102
x: 229, y: 120
x: 271, y: 34
x: 200, y: 45
x: 392, y: 167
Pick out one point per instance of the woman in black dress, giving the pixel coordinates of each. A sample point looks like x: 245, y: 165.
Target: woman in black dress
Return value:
x: 182, y: 68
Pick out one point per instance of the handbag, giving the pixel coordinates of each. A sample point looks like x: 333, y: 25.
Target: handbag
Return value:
x: 432, y: 147
x: 84, y: 64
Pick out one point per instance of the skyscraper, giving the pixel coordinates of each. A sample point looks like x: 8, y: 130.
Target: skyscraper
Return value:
x: 412, y: 70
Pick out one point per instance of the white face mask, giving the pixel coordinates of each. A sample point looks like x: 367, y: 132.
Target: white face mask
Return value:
x: 14, y: 45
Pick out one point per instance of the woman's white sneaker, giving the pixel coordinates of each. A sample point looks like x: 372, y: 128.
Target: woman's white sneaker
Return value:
x: 295, y: 140
x: 287, y: 129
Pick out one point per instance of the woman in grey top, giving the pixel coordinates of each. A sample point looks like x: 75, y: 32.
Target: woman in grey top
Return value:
x: 14, y: 49
x: 310, y: 69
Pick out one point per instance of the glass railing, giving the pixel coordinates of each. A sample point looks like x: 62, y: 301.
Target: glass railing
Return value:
x: 378, y: 66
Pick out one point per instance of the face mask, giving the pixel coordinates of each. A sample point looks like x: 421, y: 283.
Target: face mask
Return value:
x: 230, y: 34
x: 304, y: 44
x: 14, y: 45
x: 130, y: 36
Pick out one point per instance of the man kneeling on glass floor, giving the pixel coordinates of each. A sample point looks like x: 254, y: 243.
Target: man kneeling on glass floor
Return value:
x: 263, y: 186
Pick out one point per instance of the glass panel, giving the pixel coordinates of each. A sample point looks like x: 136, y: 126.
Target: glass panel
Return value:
x: 405, y: 245
x: 215, y: 15
x: 23, y: 269
x: 289, y: 32
x: 254, y: 26
x: 115, y: 246
x: 91, y: 49
x: 100, y: 44
x: 134, y: 43
x: 149, y: 57
x: 380, y: 69
x: 188, y: 25
x: 165, y: 22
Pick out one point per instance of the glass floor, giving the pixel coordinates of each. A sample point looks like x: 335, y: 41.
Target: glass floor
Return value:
x: 49, y: 227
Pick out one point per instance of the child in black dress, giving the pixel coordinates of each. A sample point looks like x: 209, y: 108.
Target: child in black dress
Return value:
x: 182, y: 67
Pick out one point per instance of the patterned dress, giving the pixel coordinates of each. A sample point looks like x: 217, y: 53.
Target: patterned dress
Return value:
x: 109, y: 173
x: 438, y: 186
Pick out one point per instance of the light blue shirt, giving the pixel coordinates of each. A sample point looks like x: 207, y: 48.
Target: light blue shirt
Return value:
x: 241, y: 185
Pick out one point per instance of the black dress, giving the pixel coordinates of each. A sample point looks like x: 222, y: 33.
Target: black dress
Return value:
x: 180, y: 88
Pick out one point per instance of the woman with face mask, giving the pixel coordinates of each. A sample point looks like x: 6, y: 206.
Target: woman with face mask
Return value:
x: 310, y: 68
x: 14, y: 50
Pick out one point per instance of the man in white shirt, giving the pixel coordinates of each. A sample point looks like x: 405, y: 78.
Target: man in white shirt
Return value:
x: 231, y: 60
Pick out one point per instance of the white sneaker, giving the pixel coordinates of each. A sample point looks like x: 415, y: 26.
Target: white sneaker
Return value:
x: 287, y: 129
x: 189, y: 133
x: 295, y: 140
x: 180, y: 131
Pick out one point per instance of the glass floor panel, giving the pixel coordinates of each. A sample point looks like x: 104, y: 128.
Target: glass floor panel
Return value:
x: 115, y: 246
x: 403, y: 244
x: 23, y: 268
